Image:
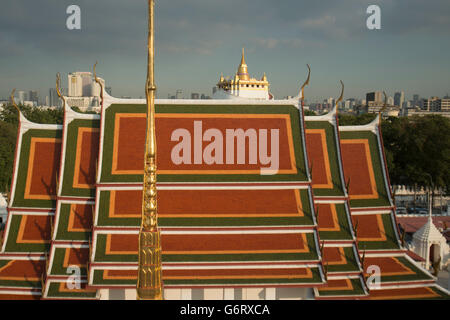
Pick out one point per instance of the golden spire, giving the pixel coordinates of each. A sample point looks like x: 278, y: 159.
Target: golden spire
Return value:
x: 243, y: 68
x: 149, y: 284
x: 243, y: 57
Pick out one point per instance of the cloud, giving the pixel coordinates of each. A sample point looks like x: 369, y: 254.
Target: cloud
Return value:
x: 197, y: 46
x: 115, y: 30
x: 272, y: 43
x: 322, y: 22
x: 268, y: 43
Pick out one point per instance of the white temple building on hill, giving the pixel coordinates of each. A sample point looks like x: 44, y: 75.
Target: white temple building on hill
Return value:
x: 242, y: 86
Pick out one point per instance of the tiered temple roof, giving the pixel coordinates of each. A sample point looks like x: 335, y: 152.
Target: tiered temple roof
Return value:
x: 224, y: 226
x: 320, y: 222
x: 340, y: 252
x: 373, y: 215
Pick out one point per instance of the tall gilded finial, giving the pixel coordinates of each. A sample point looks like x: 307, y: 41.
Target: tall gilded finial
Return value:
x: 14, y: 102
x: 302, y: 89
x: 99, y: 83
x: 149, y: 284
x: 58, y: 90
x: 243, y: 68
x: 342, y: 94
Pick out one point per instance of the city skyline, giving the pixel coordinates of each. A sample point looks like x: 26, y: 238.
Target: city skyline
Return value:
x: 198, y: 43
x: 181, y: 94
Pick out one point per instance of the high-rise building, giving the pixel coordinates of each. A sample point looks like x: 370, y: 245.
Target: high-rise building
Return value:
x: 33, y: 96
x: 350, y: 104
x: 80, y: 84
x: 53, y: 99
x: 431, y: 104
x: 178, y: 94
x: 374, y: 101
x: 374, y: 98
x: 399, y: 98
x: 416, y: 101
x: 22, y: 96
x: 75, y: 85
x: 84, y: 91
x: 435, y: 104
x: 95, y: 88
x: 445, y: 105
x: 390, y: 101
x: 330, y: 102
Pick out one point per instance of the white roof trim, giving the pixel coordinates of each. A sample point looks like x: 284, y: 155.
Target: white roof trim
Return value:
x: 109, y: 100
x: 330, y: 116
x: 72, y: 114
x: 372, y: 126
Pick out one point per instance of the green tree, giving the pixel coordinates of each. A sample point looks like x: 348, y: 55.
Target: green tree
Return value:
x: 7, y: 147
x: 417, y: 149
x: 352, y: 120
x: 8, y: 134
x: 432, y: 139
x: 309, y: 113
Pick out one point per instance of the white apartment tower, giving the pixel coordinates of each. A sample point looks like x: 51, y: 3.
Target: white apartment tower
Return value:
x: 84, y: 92
x: 80, y: 84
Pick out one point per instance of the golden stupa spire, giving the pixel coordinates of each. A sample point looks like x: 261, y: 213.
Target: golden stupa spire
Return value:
x: 243, y: 68
x: 149, y: 284
x: 243, y: 57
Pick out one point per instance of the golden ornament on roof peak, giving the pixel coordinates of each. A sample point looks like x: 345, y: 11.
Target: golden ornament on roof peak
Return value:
x: 243, y: 69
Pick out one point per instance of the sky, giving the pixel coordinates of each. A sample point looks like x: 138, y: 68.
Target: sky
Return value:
x: 196, y: 40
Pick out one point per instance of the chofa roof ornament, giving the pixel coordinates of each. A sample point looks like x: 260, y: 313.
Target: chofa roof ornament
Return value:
x: 58, y: 90
x: 301, y: 94
x: 100, y: 84
x: 14, y: 102
x: 341, y: 97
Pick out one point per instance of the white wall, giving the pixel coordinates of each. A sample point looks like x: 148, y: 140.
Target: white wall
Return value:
x: 217, y: 294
